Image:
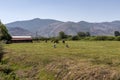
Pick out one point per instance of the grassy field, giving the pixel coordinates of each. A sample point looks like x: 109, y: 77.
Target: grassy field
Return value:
x: 83, y: 60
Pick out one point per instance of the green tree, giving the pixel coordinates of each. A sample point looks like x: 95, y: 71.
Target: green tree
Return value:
x: 118, y: 38
x: 75, y: 37
x: 117, y: 33
x: 88, y: 34
x: 81, y: 34
x: 4, y: 35
x: 62, y: 35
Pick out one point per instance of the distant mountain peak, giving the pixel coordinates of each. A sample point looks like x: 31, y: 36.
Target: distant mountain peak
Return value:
x: 83, y: 22
x: 116, y: 21
x: 39, y: 19
x: 51, y: 27
x: 36, y: 19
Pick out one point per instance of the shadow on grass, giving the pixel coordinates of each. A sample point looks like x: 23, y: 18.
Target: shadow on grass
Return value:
x: 1, y: 52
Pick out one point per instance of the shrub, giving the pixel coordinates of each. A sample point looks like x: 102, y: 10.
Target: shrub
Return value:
x: 74, y: 38
x: 101, y: 38
x: 87, y: 38
x: 110, y: 38
x: 62, y: 35
x: 117, y: 38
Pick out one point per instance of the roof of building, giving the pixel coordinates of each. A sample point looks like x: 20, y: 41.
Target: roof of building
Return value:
x: 21, y: 38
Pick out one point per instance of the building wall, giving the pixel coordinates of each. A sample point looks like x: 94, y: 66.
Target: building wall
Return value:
x: 21, y: 41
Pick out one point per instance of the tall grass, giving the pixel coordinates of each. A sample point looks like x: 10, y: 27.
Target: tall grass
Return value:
x: 83, y: 60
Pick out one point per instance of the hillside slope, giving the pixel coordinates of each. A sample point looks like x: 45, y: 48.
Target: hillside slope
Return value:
x: 49, y: 27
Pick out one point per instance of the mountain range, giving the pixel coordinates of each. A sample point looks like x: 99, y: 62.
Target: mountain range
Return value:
x: 50, y: 27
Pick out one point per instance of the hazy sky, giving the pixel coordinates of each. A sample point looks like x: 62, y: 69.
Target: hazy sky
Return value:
x: 64, y: 10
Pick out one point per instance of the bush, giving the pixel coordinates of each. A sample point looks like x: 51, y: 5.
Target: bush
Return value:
x: 74, y: 38
x: 87, y: 38
x: 110, y: 38
x: 117, y: 38
x: 101, y: 38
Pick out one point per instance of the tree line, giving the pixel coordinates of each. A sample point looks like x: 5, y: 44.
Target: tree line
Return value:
x: 83, y: 36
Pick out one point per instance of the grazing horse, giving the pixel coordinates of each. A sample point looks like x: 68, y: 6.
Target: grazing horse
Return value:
x: 63, y: 41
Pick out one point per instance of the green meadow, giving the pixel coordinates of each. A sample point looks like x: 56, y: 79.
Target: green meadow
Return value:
x: 83, y: 60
